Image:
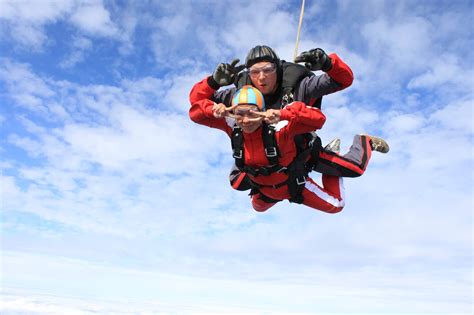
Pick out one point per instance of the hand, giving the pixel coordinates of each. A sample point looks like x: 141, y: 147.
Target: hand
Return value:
x: 270, y: 116
x: 219, y: 110
x: 225, y: 73
x: 315, y: 59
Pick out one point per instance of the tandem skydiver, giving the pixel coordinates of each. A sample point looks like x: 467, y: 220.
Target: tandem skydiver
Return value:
x: 264, y: 149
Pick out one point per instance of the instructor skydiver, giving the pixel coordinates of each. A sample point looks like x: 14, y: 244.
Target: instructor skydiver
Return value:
x: 281, y: 83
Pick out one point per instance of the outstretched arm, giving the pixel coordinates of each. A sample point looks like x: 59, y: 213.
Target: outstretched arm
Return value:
x: 337, y: 76
x: 300, y: 118
x: 340, y: 72
x: 203, y: 110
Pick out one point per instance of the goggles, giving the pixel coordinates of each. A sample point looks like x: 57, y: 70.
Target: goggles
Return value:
x: 266, y: 70
x: 245, y: 110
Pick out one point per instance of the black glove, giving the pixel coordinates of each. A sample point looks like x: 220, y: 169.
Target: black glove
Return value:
x: 225, y: 73
x: 315, y: 59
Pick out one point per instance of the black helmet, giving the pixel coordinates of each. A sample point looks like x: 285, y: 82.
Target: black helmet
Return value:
x: 261, y: 53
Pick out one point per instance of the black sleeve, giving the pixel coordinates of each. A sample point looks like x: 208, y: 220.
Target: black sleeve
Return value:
x: 224, y: 96
x: 315, y: 87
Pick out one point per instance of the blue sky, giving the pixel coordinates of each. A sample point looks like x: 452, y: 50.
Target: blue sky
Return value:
x: 112, y: 200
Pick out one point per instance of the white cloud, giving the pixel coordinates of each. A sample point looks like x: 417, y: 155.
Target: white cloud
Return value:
x: 20, y: 77
x: 133, y: 149
x: 445, y: 72
x: 25, y: 88
x: 173, y: 34
x: 457, y: 115
x: 151, y: 291
x: 94, y: 19
x: 35, y: 12
x: 118, y: 174
x: 121, y: 139
x: 79, y: 48
x: 394, y: 47
x: 405, y: 46
x: 28, y: 35
x: 405, y: 123
x: 26, y: 19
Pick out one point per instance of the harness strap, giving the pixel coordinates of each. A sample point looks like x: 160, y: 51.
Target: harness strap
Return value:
x: 265, y: 171
x: 269, y: 141
x: 296, y: 170
x: 315, y: 146
x: 271, y: 151
x: 273, y: 186
x: 237, y: 141
x: 297, y: 174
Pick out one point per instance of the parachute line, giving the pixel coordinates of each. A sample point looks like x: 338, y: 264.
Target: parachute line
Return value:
x: 299, y: 29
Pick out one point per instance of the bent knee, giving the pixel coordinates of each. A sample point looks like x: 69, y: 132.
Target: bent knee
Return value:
x: 334, y: 210
x: 260, y: 208
x: 259, y: 205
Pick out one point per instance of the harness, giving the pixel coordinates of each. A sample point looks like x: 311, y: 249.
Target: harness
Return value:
x: 296, y: 170
x: 307, y: 144
x: 293, y: 73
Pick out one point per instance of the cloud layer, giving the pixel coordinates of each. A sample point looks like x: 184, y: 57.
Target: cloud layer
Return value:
x: 103, y: 173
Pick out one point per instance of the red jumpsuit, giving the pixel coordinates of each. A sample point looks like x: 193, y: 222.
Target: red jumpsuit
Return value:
x: 296, y: 118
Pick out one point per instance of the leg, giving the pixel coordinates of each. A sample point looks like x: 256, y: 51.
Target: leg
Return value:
x: 238, y: 179
x: 329, y: 199
x: 262, y: 203
x: 351, y: 164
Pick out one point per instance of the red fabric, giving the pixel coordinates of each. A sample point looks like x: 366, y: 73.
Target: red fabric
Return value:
x: 333, y: 202
x: 329, y: 199
x: 340, y: 72
x: 260, y: 205
x: 238, y: 180
x: 201, y: 106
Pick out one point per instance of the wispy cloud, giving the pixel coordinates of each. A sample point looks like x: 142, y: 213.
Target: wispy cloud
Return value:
x: 79, y: 48
x: 92, y: 17
x: 26, y: 19
x: 168, y: 294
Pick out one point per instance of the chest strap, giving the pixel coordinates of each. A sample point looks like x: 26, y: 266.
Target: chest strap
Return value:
x: 296, y: 171
x: 297, y: 175
x: 271, y: 150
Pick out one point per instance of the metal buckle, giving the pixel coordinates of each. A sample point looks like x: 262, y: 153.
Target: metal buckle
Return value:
x: 273, y: 151
x: 298, y: 182
x: 239, y: 156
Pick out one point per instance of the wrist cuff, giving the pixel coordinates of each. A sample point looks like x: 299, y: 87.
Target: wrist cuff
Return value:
x: 213, y: 83
x: 327, y: 64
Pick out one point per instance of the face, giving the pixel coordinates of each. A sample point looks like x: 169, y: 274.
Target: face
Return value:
x: 264, y: 77
x: 248, y: 121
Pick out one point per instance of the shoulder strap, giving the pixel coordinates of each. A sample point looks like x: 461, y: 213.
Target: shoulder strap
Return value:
x: 293, y: 73
x: 271, y: 150
x: 237, y: 141
x: 269, y: 141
